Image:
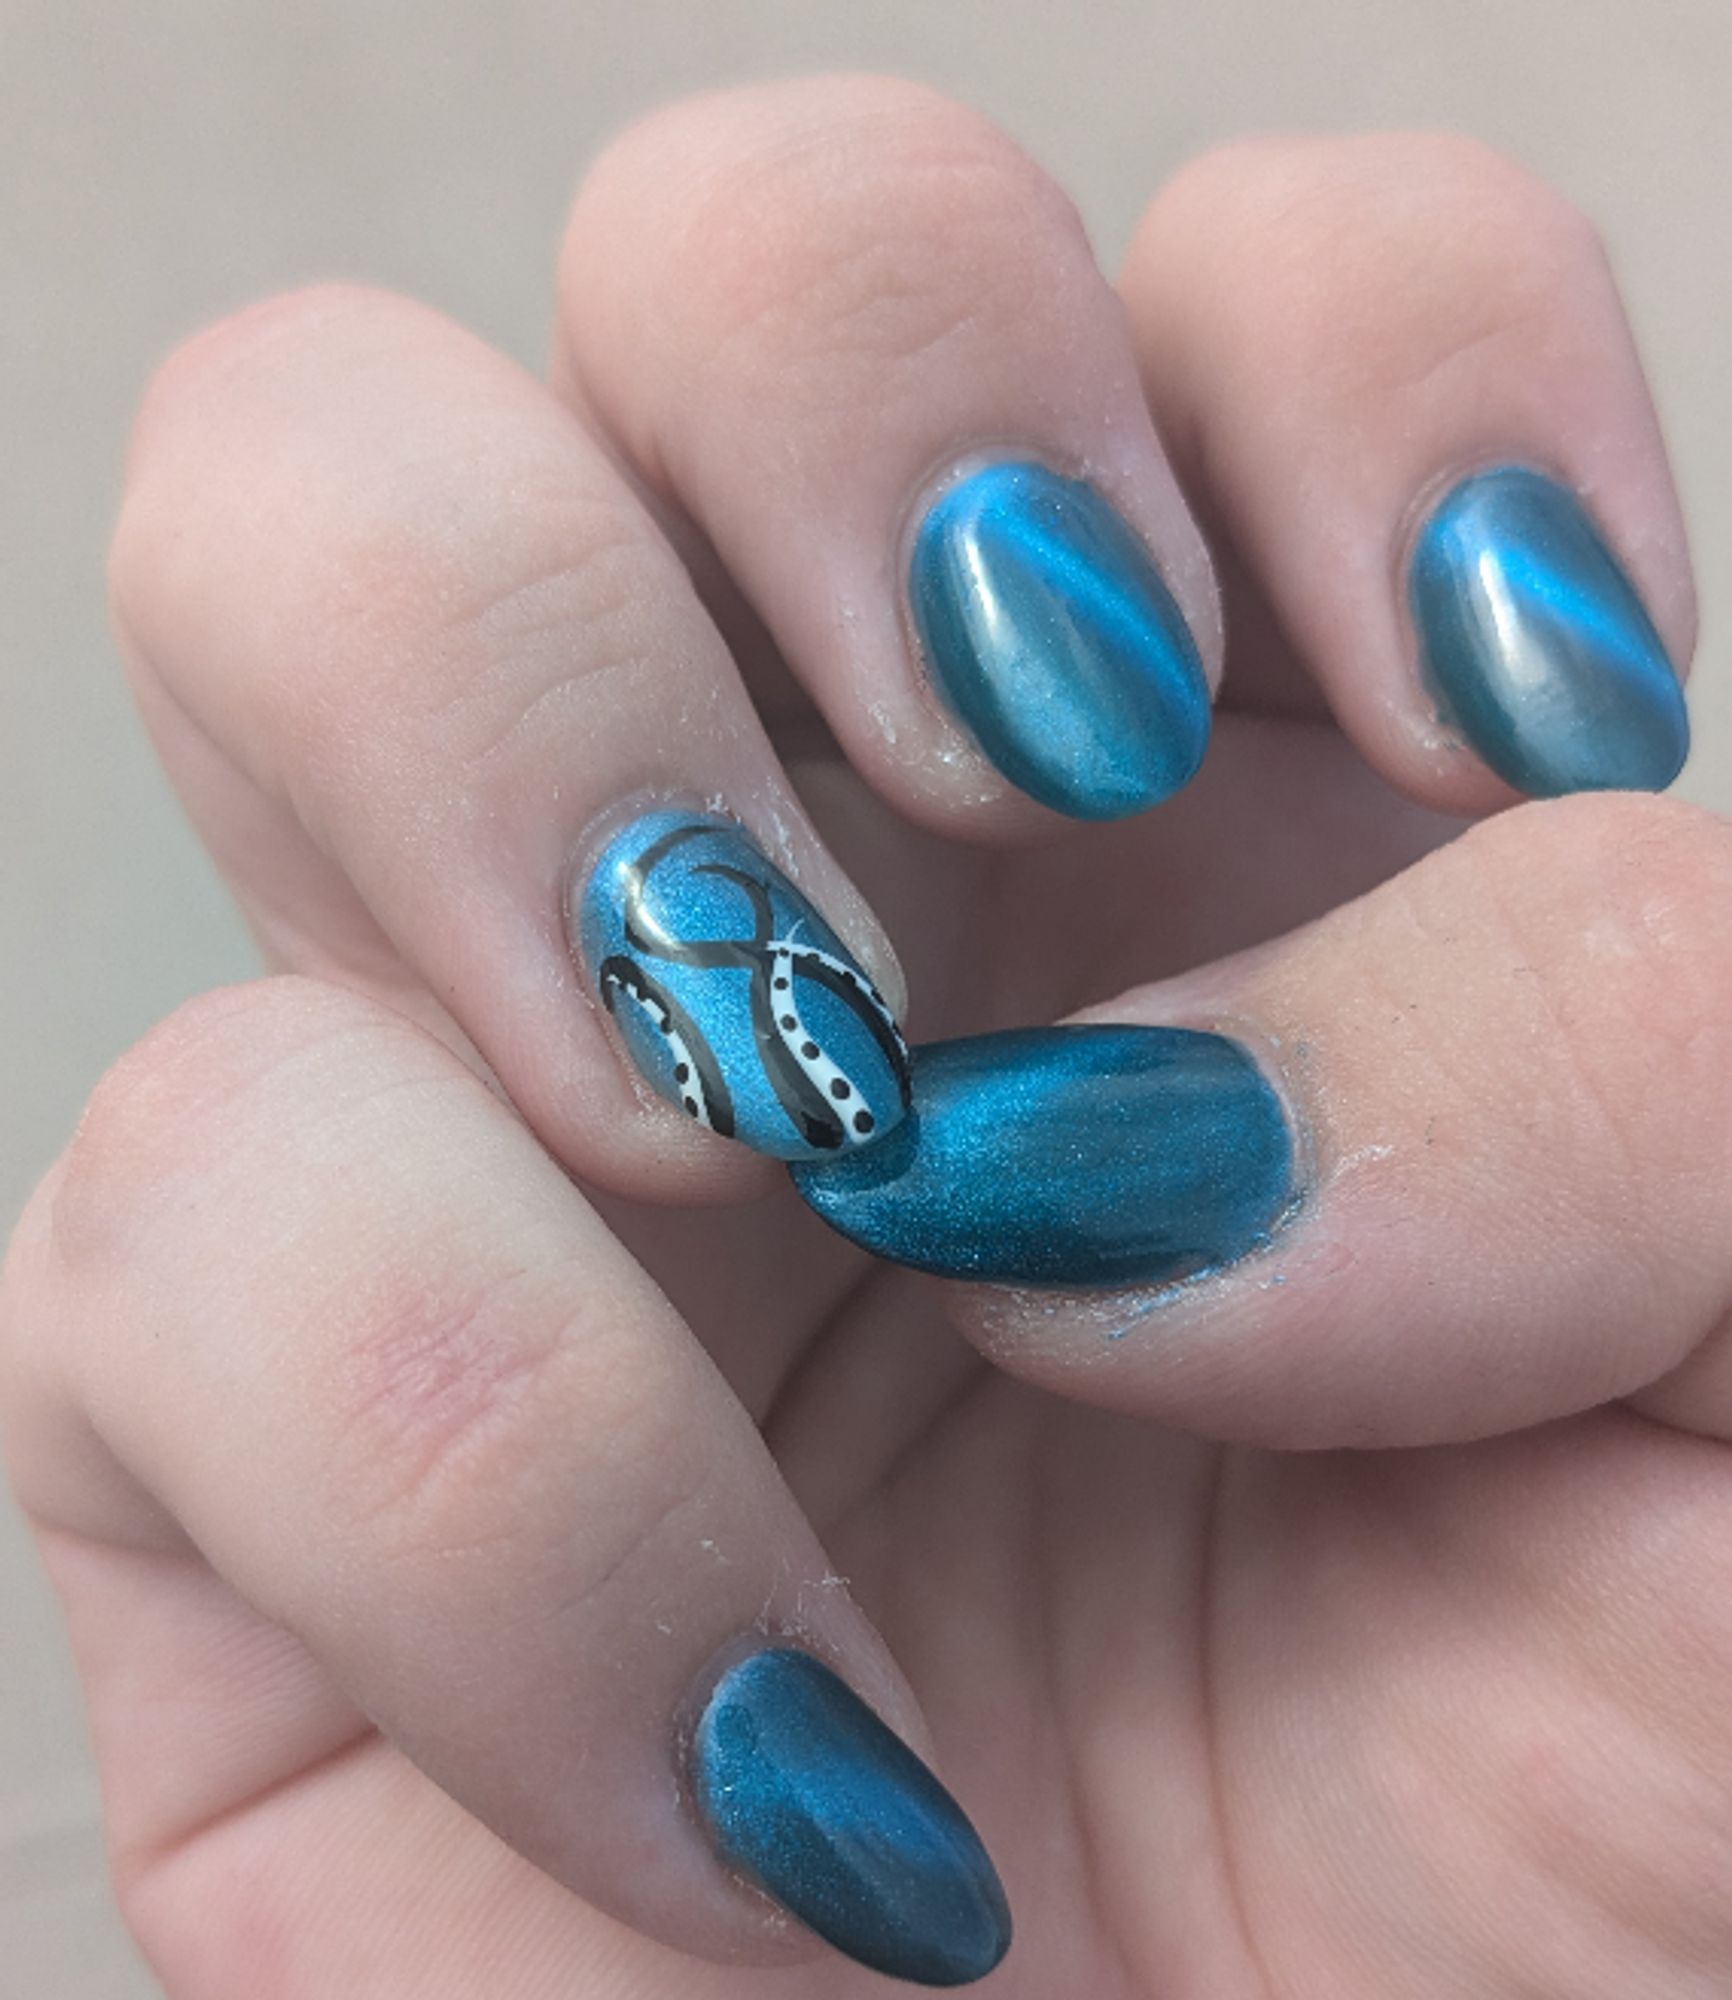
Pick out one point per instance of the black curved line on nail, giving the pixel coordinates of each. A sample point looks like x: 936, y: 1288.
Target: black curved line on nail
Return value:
x: 810, y: 1110
x: 619, y: 974
x: 634, y: 880
x: 805, y: 1104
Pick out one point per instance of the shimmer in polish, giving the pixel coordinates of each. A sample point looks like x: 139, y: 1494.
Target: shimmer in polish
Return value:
x: 1536, y: 646
x: 811, y: 1797
x: 1048, y: 630
x: 733, y: 996
x: 1083, y: 1156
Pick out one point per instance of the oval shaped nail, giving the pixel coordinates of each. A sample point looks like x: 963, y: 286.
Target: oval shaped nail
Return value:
x: 1048, y: 630
x: 1082, y: 1156
x: 810, y: 1796
x: 732, y: 995
x: 1536, y: 646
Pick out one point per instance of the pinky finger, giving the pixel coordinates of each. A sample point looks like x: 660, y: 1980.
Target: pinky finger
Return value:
x: 1396, y: 370
x: 305, y: 1299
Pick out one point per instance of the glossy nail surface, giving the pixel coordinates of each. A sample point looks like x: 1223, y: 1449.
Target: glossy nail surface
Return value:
x: 1083, y: 1156
x: 1046, y: 627
x: 807, y: 1794
x: 734, y: 997
x: 1536, y: 646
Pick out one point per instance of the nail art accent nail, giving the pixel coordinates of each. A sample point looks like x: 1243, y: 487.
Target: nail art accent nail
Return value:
x: 1083, y: 1156
x: 811, y: 1797
x: 1046, y: 626
x: 735, y: 998
x: 1536, y: 646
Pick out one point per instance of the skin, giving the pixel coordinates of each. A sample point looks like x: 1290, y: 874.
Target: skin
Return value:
x: 1353, y: 1623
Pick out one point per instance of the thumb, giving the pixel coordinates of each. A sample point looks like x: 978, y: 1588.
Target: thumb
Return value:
x: 1503, y: 1194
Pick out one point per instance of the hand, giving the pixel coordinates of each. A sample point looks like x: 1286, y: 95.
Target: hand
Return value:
x: 1354, y: 1620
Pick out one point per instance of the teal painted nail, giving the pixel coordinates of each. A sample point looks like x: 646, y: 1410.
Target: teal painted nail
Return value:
x: 1536, y: 646
x: 732, y: 995
x: 805, y: 1791
x: 1048, y: 630
x: 1082, y: 1156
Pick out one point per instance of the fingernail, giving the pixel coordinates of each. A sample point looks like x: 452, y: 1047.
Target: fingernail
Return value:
x: 1086, y: 1156
x: 810, y: 1796
x: 733, y: 996
x: 1535, y: 645
x: 1047, y: 629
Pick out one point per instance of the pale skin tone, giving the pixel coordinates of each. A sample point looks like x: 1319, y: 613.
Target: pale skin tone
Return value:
x: 399, y: 1491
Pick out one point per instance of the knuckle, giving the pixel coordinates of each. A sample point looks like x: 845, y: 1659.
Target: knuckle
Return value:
x: 462, y: 645
x: 438, y: 1389
x: 228, y: 376
x: 460, y: 1404
x: 400, y: 592
x: 1371, y: 189
x: 175, y: 1105
x: 138, y: 1130
x: 215, y: 1914
x: 583, y: 594
x: 222, y: 358
x: 1389, y: 253
x: 853, y: 218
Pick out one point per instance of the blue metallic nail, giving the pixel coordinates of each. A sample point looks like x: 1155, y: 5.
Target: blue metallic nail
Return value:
x: 1071, y: 1156
x: 734, y: 997
x: 1536, y: 646
x: 807, y: 1793
x: 1048, y: 630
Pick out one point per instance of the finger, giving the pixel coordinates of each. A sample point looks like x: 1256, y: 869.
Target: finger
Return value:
x: 862, y: 341
x: 1396, y: 370
x: 306, y: 1296
x: 427, y: 672
x: 1459, y: 1156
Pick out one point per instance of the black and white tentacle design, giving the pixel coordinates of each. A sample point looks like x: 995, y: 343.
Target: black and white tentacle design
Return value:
x: 825, y: 1104
x: 790, y: 959
x: 702, y: 1090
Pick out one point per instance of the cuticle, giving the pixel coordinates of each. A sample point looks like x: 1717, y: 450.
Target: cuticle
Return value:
x: 1432, y: 491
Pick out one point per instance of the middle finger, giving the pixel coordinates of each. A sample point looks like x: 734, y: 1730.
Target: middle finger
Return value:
x: 863, y: 342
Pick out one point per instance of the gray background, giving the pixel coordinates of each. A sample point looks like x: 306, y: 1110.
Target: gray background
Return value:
x: 161, y: 163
